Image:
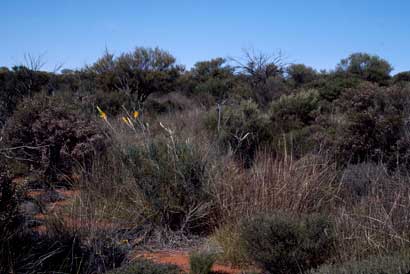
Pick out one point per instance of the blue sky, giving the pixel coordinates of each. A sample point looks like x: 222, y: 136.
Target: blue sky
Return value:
x: 316, y: 32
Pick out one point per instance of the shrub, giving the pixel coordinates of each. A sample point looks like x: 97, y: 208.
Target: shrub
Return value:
x: 299, y: 74
x: 373, y: 126
x: 112, y: 102
x: 285, y: 244
x: 393, y: 264
x: 167, y: 103
x: 171, y: 176
x: 201, y: 263
x: 242, y: 129
x: 146, y: 267
x: 295, y: 111
x: 50, y: 134
x: 367, y: 67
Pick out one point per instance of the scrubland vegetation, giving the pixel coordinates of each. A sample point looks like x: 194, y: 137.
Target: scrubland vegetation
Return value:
x: 276, y: 167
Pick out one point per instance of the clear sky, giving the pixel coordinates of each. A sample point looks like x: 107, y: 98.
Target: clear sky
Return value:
x: 315, y: 32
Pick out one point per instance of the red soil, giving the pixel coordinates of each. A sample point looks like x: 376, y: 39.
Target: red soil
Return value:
x: 181, y: 259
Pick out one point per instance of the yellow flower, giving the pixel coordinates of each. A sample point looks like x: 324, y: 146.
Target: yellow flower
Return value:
x: 102, y: 114
x: 136, y: 114
x: 125, y: 241
x: 125, y: 120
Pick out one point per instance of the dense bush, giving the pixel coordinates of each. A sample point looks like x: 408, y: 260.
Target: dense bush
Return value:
x: 295, y: 111
x: 373, y: 126
x: 287, y: 244
x: 300, y: 75
x: 146, y: 267
x: 201, y: 263
x: 242, y: 129
x: 17, y: 83
x: 393, y: 264
x: 51, y: 135
x: 171, y: 176
x: 368, y: 67
x: 138, y: 73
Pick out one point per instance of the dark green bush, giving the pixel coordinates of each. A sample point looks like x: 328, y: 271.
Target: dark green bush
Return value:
x: 201, y: 263
x: 51, y: 135
x: 372, y: 126
x: 393, y: 264
x: 171, y: 175
x: 288, y: 244
x: 146, y: 267
x: 113, y: 103
x: 243, y: 129
x: 299, y: 74
x: 295, y: 111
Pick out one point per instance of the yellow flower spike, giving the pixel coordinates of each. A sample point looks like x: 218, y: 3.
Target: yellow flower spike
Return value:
x: 125, y: 120
x: 136, y: 114
x: 102, y: 114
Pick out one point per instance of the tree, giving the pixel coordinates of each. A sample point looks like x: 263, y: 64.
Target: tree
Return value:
x: 371, y: 68
x: 213, y: 77
x: 138, y: 73
x: 300, y: 74
x: 264, y: 74
x: 402, y: 77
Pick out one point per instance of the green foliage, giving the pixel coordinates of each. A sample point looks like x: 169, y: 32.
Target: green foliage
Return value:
x: 146, y: 267
x: 393, y: 264
x: 401, y: 77
x: 295, y: 111
x: 16, y: 84
x: 299, y: 74
x: 367, y: 67
x: 172, y: 177
x: 201, y: 263
x: 373, y: 126
x: 212, y: 77
x: 242, y: 129
x: 138, y: 73
x: 113, y: 103
x: 287, y: 244
x: 51, y: 134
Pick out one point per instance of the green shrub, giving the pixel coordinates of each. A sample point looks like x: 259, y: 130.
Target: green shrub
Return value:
x: 287, y: 244
x: 393, y: 264
x: 201, y: 263
x: 112, y: 102
x: 51, y: 135
x: 146, y: 267
x: 171, y: 176
x: 242, y: 129
x: 295, y: 111
x: 372, y: 126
